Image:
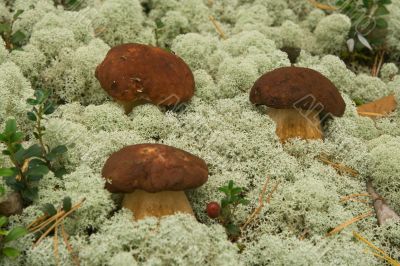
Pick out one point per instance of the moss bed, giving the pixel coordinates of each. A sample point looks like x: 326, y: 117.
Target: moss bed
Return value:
x: 220, y: 125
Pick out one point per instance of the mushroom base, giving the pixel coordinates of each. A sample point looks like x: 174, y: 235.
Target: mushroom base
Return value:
x: 292, y: 123
x: 144, y: 204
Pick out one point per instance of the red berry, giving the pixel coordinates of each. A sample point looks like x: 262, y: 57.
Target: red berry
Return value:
x: 213, y: 209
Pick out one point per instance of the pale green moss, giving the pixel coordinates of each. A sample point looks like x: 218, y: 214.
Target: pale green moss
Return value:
x: 386, y: 169
x: 71, y: 76
x: 122, y: 21
x: 31, y: 61
x: 14, y: 91
x: 332, y: 33
x: 174, y: 240
x: 193, y: 48
x: 389, y: 71
x: 3, y: 51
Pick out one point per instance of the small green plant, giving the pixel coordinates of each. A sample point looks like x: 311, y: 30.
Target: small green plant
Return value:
x: 28, y: 164
x: 13, y: 40
x: 232, y: 199
x: 42, y: 106
x: 8, y: 236
x: 369, y: 24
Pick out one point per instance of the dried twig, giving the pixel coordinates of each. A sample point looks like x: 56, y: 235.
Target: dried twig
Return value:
x: 378, y: 62
x: 349, y: 222
x: 382, y: 209
x: 217, y: 27
x: 322, y: 6
x: 380, y: 253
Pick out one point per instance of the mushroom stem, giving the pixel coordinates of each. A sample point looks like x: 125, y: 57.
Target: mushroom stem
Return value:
x: 292, y: 123
x: 144, y: 204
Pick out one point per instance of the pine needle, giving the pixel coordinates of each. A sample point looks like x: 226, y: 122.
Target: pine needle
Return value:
x: 68, y: 245
x: 348, y: 223
x: 322, y: 6
x: 339, y: 167
x: 217, y: 27
x: 55, y: 242
x: 254, y: 214
x: 352, y: 196
x: 380, y: 253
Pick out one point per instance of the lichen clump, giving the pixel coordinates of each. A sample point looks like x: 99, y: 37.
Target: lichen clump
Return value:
x: 219, y: 124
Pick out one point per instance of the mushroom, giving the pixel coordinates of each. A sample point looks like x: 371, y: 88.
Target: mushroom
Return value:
x: 134, y: 74
x: 297, y: 97
x: 153, y: 178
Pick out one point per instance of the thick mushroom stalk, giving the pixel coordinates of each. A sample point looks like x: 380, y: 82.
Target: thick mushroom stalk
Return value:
x: 144, y: 204
x: 153, y: 178
x: 296, y: 97
x: 292, y: 123
x: 133, y: 74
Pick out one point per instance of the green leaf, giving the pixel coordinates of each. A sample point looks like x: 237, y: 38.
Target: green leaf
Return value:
x: 381, y: 23
x: 60, y: 172
x: 29, y: 194
x: 6, y: 152
x: 17, y: 137
x: 15, y: 233
x: 3, y: 221
x: 49, y: 209
x: 5, y: 27
x: 40, y: 95
x: 367, y: 3
x: 384, y: 2
x: 49, y: 108
x: 18, y: 13
x: 32, y: 151
x: 37, y: 168
x: 32, y: 101
x: 7, y: 172
x: 381, y: 11
x: 32, y: 116
x: 232, y: 229
x: 56, y: 152
x: 11, y: 127
x: 67, y: 204
x: 10, y: 252
x: 18, y: 37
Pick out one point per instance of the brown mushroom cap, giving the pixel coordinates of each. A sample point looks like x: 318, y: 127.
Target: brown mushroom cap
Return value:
x: 304, y: 88
x: 137, y: 72
x: 153, y: 168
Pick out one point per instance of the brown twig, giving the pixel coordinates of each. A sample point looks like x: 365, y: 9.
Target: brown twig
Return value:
x: 352, y: 196
x: 217, y: 27
x: 55, y: 242
x: 382, y: 209
x: 322, y: 6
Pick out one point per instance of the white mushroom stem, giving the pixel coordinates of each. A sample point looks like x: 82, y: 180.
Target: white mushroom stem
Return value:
x: 292, y: 123
x: 382, y: 209
x: 144, y: 204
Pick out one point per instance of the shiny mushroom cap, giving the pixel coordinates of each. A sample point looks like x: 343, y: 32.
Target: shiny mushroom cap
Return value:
x: 136, y: 72
x: 297, y: 87
x: 153, y: 168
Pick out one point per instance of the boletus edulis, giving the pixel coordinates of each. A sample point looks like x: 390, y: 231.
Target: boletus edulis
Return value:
x: 134, y: 74
x: 297, y: 99
x: 154, y: 178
